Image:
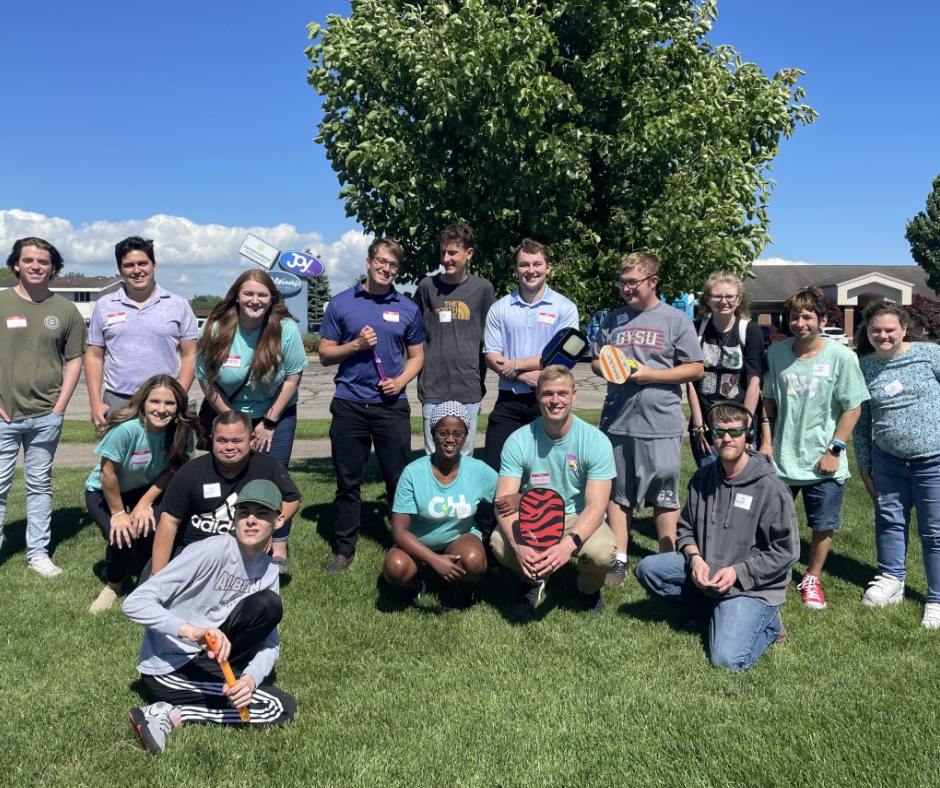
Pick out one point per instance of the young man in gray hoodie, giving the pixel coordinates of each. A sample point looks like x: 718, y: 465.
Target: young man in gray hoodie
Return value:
x: 736, y: 543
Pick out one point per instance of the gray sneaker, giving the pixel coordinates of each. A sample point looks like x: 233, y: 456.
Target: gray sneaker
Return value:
x: 154, y: 723
x: 340, y: 563
x: 618, y: 573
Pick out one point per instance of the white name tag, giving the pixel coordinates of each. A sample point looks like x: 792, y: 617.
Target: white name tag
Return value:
x: 233, y: 362
x: 894, y: 388
x: 213, y: 490
x: 820, y: 370
x: 117, y: 317
x: 140, y: 458
x: 540, y: 479
x: 462, y: 511
x: 547, y: 318
x: 390, y: 317
x: 17, y: 321
x: 742, y: 501
x: 445, y: 317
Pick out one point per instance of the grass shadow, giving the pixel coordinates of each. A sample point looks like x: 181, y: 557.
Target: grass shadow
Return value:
x: 67, y: 522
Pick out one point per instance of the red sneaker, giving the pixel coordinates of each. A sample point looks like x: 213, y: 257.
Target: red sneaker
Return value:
x: 812, y: 592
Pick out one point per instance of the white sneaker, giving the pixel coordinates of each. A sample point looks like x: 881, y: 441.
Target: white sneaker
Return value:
x: 44, y: 566
x: 884, y: 590
x: 931, y: 619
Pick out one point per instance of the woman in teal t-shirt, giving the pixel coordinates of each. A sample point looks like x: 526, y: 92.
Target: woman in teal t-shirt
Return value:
x: 432, y: 517
x: 250, y: 358
x: 142, y: 445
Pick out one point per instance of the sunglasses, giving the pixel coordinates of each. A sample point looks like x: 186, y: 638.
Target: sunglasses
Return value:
x: 734, y: 432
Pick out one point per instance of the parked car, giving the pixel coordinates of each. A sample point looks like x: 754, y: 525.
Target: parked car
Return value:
x: 835, y: 334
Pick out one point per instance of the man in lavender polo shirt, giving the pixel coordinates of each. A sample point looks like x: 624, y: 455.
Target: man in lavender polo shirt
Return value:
x: 137, y: 331
x: 371, y: 319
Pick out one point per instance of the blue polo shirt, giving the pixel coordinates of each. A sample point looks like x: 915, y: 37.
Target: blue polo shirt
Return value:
x: 515, y: 329
x: 398, y: 326
x: 140, y: 341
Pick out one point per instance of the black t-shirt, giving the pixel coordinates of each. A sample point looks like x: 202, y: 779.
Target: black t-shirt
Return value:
x: 204, y: 501
x: 728, y: 365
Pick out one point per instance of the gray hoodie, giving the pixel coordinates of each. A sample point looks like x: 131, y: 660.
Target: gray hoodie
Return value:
x: 748, y: 522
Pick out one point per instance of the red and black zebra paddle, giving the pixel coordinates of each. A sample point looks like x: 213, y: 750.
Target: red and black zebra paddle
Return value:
x: 541, y: 521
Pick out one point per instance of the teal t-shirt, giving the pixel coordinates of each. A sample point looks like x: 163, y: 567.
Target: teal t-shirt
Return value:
x: 442, y: 512
x: 256, y: 401
x: 139, y: 455
x: 811, y: 395
x: 564, y: 465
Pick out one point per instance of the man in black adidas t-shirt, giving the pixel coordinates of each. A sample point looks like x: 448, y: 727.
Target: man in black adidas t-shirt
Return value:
x: 201, y: 495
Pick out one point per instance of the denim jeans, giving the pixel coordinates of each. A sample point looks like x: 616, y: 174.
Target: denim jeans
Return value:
x: 473, y: 408
x: 739, y: 629
x: 901, y: 484
x: 39, y: 438
x: 282, y: 444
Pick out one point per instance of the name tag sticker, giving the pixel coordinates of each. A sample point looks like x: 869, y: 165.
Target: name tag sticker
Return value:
x: 894, y: 388
x: 820, y: 370
x: 622, y: 318
x: 117, y: 317
x: 233, y: 362
x: 445, y: 317
x: 540, y: 479
x: 547, y: 318
x: 462, y: 511
x: 141, y: 457
x: 742, y: 501
x: 390, y: 317
x: 16, y: 321
x: 213, y: 490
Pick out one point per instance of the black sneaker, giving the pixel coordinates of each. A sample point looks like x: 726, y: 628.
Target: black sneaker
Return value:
x: 413, y: 594
x: 464, y: 596
x: 340, y: 563
x: 593, y: 602
x: 532, y: 593
x: 618, y: 573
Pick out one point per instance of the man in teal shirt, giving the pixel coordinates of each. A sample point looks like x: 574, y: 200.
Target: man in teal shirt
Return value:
x: 561, y: 452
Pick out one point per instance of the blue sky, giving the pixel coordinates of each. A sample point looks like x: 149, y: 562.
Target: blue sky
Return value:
x: 193, y: 123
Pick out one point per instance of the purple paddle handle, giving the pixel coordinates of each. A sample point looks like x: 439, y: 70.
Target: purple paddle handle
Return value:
x: 378, y: 365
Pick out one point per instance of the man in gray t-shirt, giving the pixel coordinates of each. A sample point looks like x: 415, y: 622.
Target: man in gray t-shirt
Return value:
x: 453, y: 307
x: 643, y: 417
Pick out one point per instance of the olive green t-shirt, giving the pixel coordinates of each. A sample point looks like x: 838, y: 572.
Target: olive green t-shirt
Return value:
x: 35, y: 342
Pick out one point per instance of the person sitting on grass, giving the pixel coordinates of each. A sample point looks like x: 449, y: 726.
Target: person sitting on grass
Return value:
x: 737, y: 541
x: 142, y: 445
x: 228, y: 589
x: 432, y: 516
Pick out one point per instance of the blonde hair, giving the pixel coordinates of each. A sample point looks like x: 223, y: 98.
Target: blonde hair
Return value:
x: 646, y: 262
x: 555, y: 372
x: 723, y: 278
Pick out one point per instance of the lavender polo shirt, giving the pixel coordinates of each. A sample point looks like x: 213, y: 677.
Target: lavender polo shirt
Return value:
x: 139, y: 343
x: 397, y: 323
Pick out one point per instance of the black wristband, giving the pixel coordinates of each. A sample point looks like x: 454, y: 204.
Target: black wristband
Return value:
x: 576, y: 539
x: 269, y: 424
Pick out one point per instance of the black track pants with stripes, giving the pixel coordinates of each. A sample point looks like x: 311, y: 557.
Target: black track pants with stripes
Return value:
x: 197, y: 687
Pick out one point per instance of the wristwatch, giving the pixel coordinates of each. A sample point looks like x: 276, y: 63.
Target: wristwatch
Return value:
x: 836, y: 448
x: 269, y: 424
x: 576, y: 539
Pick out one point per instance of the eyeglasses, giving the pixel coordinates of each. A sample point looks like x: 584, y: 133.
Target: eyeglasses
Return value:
x: 734, y: 432
x: 633, y: 284
x: 394, y: 265
x: 723, y: 298
x: 457, y: 435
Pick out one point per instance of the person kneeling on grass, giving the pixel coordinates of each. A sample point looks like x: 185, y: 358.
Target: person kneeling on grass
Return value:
x: 226, y: 588
x: 737, y: 541
x: 432, y: 517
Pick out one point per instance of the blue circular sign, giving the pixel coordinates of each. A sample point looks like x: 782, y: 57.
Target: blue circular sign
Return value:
x: 287, y: 284
x: 301, y: 263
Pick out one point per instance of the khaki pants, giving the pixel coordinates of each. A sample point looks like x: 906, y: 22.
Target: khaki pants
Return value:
x: 594, y: 558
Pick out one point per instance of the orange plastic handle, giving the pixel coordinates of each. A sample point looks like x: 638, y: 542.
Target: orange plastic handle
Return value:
x: 227, y: 672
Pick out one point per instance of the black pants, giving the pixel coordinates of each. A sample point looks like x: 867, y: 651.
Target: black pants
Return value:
x: 510, y: 412
x: 355, y: 428
x: 197, y: 686
x: 118, y: 559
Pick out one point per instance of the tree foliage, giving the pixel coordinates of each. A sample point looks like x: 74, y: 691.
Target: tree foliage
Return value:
x: 597, y: 127
x: 926, y: 313
x: 318, y: 294
x: 204, y: 301
x: 834, y: 316
x: 923, y: 234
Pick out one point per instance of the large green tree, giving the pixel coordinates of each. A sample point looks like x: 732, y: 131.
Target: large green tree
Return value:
x: 923, y: 234
x: 599, y: 127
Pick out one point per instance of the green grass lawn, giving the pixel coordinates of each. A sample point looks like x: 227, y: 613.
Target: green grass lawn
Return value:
x: 494, y: 696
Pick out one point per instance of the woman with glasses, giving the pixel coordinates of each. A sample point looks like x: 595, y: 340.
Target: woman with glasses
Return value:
x: 432, y: 517
x: 250, y: 358
x: 733, y: 347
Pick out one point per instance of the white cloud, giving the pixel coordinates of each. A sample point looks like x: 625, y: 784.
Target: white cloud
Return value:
x: 191, y: 258
x: 778, y: 261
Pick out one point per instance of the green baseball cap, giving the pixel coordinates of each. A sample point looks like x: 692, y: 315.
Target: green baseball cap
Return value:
x: 261, y: 491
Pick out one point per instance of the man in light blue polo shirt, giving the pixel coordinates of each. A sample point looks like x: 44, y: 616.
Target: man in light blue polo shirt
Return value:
x: 135, y: 332
x: 518, y: 327
x: 376, y: 336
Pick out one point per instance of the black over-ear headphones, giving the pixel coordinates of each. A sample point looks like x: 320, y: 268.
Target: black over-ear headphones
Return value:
x: 750, y: 435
